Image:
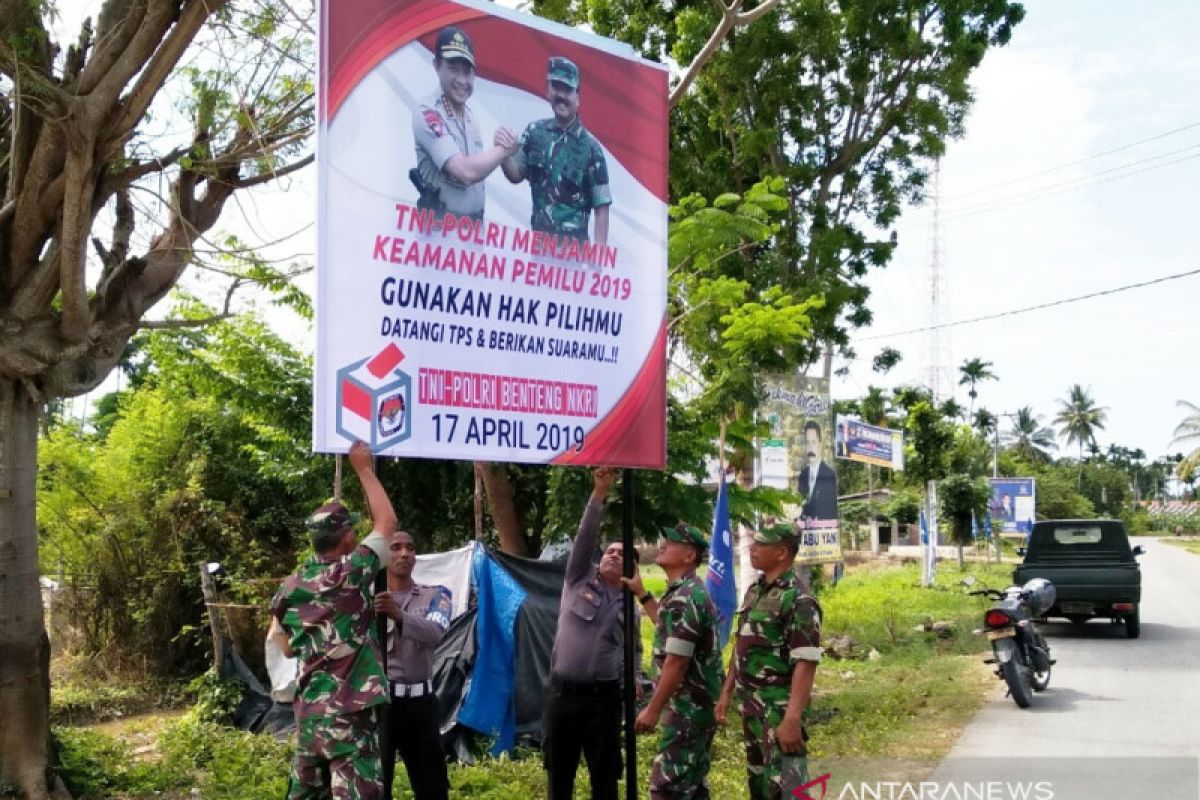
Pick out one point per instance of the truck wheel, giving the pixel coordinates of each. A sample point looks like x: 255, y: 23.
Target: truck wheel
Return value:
x: 1017, y: 678
x: 1133, y: 623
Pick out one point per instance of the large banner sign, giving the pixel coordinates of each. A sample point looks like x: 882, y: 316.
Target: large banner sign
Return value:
x: 855, y: 440
x: 492, y: 230
x: 1014, y: 502
x: 799, y: 457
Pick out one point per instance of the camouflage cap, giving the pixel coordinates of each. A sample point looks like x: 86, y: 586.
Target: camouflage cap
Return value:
x: 331, y: 517
x: 687, y: 535
x: 779, y: 533
x: 453, y: 43
x: 563, y: 70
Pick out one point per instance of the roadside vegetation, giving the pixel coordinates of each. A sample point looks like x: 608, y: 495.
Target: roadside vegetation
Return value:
x: 891, y: 686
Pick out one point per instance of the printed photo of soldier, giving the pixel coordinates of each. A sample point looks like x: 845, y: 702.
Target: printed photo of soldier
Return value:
x: 451, y: 159
x: 563, y: 162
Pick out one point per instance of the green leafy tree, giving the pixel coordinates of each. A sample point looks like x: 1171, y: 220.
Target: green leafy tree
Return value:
x: 1057, y: 497
x: 874, y: 406
x: 1188, y: 432
x: 961, y: 498
x: 984, y: 422
x: 904, y: 506
x: 972, y: 372
x: 1031, y: 441
x: 848, y: 103
x: 929, y: 442
x: 205, y: 459
x: 886, y: 360
x: 971, y: 453
x: 1079, y: 418
x: 147, y: 123
x: 952, y: 409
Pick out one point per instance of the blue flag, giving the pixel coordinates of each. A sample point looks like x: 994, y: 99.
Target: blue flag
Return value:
x: 924, y: 527
x: 974, y: 527
x: 987, y: 526
x: 719, y: 582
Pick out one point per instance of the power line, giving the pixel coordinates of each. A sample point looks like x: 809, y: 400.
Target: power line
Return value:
x: 1039, y: 307
x: 1085, y: 182
x: 1077, y: 161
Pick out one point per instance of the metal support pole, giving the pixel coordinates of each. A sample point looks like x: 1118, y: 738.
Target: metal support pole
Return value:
x: 631, y: 779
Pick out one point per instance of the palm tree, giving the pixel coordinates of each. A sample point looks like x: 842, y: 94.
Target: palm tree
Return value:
x: 1188, y: 432
x: 973, y: 371
x: 1029, y: 439
x: 984, y: 422
x: 951, y: 409
x: 873, y: 406
x: 1078, y: 419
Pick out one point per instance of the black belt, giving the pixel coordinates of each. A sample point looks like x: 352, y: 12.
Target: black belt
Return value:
x: 406, y: 690
x: 587, y: 688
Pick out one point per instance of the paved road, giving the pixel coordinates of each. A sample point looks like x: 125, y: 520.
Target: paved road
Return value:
x: 1109, y: 698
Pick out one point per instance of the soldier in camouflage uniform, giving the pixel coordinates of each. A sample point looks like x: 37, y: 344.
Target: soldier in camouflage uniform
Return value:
x: 775, y: 660
x: 326, y: 611
x: 687, y: 662
x: 565, y: 165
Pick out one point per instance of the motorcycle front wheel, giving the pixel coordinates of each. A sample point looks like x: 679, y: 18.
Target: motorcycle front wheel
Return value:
x: 1039, y: 680
x: 1016, y: 676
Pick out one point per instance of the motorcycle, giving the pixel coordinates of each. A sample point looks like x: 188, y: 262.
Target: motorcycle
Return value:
x: 1019, y: 650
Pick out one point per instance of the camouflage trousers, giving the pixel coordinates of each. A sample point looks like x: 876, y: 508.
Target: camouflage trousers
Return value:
x: 338, y: 757
x: 680, y: 770
x: 772, y: 774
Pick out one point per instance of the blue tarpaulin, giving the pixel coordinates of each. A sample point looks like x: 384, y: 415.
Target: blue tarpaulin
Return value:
x: 489, y: 707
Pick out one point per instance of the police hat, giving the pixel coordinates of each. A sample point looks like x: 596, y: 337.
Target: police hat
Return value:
x: 453, y: 43
x: 563, y: 70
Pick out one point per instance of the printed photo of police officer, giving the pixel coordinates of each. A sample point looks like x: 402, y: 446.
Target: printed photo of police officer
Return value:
x: 451, y: 159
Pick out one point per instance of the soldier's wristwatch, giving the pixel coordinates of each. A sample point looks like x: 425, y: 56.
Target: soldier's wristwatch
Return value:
x: 646, y: 598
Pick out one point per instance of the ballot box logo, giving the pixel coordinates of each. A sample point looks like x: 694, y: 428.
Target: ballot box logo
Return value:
x: 374, y: 400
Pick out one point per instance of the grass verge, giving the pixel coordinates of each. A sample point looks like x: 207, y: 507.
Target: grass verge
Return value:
x: 900, y: 691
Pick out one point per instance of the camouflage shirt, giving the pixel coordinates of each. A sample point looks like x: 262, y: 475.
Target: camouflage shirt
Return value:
x: 567, y: 173
x: 778, y: 625
x: 687, y: 626
x: 327, y: 610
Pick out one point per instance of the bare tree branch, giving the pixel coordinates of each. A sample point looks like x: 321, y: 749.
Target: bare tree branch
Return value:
x: 730, y: 19
x: 183, y: 324
x: 174, y: 45
x: 266, y: 177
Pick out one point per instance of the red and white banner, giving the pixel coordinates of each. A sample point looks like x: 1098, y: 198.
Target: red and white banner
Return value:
x: 448, y: 334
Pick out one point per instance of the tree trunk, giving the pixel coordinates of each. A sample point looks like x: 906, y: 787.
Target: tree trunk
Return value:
x: 504, y: 510
x: 24, y: 648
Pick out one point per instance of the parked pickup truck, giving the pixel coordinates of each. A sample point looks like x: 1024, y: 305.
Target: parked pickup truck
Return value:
x: 1093, y: 569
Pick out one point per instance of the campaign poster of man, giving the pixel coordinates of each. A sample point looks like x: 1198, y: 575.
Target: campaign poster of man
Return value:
x: 492, y: 229
x: 801, y: 413
x: 1014, y: 504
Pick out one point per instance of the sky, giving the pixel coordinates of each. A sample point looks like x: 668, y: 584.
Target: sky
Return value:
x: 1077, y: 80
x: 1053, y: 192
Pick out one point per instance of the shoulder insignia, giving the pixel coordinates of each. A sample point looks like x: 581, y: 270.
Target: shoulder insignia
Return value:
x: 433, y: 121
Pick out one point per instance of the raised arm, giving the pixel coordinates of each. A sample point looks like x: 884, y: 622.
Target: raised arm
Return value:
x: 589, y: 527
x: 383, y: 516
